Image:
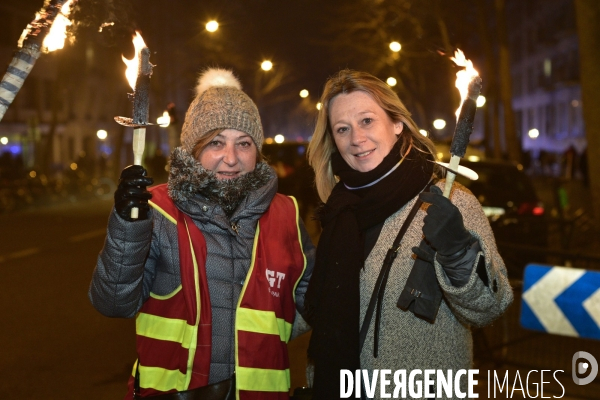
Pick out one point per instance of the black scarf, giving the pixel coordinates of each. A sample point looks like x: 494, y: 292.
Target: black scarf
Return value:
x: 333, y: 295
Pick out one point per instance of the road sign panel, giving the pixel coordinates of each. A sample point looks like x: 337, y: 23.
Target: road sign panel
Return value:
x: 562, y: 301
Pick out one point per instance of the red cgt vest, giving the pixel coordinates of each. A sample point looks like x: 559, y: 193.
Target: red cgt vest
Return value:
x: 174, y: 332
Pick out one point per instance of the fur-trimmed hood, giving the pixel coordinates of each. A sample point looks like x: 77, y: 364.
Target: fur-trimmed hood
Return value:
x: 190, y: 185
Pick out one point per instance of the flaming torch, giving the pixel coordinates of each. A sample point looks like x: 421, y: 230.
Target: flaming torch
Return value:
x: 138, y: 74
x: 468, y: 83
x: 47, y: 32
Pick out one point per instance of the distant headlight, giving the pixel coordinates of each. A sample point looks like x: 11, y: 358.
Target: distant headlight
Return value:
x: 493, y: 213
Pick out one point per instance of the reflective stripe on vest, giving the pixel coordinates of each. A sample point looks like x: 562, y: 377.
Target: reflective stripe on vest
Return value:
x: 264, y: 314
x: 169, y: 328
x: 262, y: 328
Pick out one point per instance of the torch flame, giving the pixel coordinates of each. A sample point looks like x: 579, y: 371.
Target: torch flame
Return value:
x: 463, y: 77
x: 26, y: 31
x: 55, y: 39
x: 133, y: 65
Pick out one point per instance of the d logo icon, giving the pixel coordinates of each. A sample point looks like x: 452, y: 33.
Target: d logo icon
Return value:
x: 583, y: 367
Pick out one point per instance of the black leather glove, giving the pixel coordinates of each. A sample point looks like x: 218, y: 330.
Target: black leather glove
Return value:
x: 443, y: 226
x: 422, y: 294
x: 458, y: 270
x: 132, y: 192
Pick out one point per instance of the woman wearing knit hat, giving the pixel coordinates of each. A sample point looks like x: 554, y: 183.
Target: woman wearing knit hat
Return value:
x: 216, y: 267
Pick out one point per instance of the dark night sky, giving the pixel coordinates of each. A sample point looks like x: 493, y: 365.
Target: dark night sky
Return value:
x: 289, y: 32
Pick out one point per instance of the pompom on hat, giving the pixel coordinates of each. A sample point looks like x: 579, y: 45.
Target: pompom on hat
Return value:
x: 220, y: 103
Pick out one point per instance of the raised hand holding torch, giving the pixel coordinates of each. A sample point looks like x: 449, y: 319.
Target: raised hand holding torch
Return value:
x: 468, y: 83
x: 445, y: 237
x: 139, y: 70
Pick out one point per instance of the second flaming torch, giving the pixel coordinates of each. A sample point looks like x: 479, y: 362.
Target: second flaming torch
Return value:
x: 469, y: 84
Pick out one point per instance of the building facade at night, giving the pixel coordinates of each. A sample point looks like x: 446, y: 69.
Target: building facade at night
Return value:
x: 27, y: 117
x: 51, y: 125
x: 545, y: 76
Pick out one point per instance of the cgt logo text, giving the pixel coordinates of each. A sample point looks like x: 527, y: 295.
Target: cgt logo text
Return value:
x: 433, y: 384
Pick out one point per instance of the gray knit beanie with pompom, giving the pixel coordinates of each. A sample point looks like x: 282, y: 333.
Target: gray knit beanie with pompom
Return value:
x: 220, y: 103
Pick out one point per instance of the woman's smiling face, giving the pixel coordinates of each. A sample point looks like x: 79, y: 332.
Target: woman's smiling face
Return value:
x: 230, y: 154
x: 363, y: 133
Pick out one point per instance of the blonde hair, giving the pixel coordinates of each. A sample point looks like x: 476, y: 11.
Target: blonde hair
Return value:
x: 209, y: 137
x: 322, y: 144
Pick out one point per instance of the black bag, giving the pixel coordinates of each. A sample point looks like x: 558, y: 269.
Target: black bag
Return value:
x: 302, y: 393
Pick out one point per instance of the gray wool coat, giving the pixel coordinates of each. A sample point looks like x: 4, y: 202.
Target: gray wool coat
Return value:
x: 142, y: 257
x: 407, y: 342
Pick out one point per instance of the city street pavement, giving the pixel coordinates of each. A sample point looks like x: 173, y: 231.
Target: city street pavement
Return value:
x: 53, y: 344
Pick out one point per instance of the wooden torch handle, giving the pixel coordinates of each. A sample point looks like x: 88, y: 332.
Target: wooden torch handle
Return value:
x: 139, y: 142
x: 453, y: 165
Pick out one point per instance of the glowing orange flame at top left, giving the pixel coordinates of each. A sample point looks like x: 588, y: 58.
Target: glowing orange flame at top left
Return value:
x: 133, y: 65
x: 463, y: 77
x: 55, y: 39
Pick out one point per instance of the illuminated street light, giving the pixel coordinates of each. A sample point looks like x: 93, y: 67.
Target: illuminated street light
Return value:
x: 423, y: 132
x: 304, y: 93
x: 439, y: 124
x: 533, y: 133
x: 319, y: 106
x: 164, y: 120
x: 102, y: 134
x: 279, y: 138
x: 480, y: 101
x: 391, y: 81
x: 266, y: 65
x: 395, y: 47
x: 212, y: 26
x: 4, y: 140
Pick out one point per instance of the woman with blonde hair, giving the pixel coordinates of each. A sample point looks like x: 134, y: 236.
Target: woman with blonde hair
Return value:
x: 386, y: 221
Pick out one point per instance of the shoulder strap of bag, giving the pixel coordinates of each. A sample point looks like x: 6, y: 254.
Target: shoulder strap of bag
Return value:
x: 379, y: 290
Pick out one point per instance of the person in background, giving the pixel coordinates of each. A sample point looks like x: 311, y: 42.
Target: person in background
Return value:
x: 215, y: 267
x: 372, y: 166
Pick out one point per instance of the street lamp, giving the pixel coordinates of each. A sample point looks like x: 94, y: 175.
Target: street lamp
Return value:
x: 423, y: 132
x: 439, y: 124
x: 4, y: 140
x: 304, y: 93
x: 391, y: 81
x: 533, y: 133
x: 480, y: 101
x: 102, y: 134
x: 319, y: 106
x: 395, y: 47
x: 164, y: 120
x: 212, y: 26
x: 279, y: 138
x: 266, y: 65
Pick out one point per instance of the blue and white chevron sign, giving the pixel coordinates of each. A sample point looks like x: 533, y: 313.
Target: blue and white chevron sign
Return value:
x: 561, y: 301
